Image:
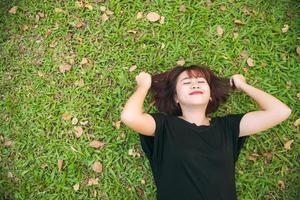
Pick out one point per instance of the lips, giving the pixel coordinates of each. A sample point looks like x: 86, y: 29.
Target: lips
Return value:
x: 196, y: 92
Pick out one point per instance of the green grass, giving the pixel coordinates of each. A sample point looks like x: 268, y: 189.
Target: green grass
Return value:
x: 31, y: 106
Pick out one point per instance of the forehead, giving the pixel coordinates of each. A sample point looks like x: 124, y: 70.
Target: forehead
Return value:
x: 192, y: 74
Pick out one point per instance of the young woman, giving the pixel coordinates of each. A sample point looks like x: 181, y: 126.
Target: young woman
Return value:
x: 193, y: 156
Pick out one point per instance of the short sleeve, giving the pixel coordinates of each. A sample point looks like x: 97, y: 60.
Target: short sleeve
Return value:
x: 153, y: 145
x: 233, y: 128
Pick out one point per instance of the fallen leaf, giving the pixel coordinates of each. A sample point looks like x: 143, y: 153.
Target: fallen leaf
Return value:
x: 139, y: 15
x: 287, y: 145
x: 74, y: 121
x: 285, y: 28
x: 79, y: 24
x: 219, y: 30
x: 297, y: 122
x: 182, y: 8
x: 140, y: 191
x: 24, y: 27
x: 13, y: 10
x: 44, y: 166
x: 76, y: 187
x: 152, y: 17
x: 239, y: 22
x: 180, y: 62
x: 281, y: 185
x: 244, y: 54
x: 250, y: 62
x: 109, y: 12
x: 104, y: 17
x: 59, y: 10
x: 84, y: 123
x: 79, y: 83
x: 60, y: 164
x: 65, y: 68
x: 48, y: 33
x: 298, y: 50
x: 253, y: 156
x: 133, y: 152
x: 235, y: 35
x: 268, y: 155
x: 96, y: 144
x: 162, y: 20
x: 162, y: 45
x: 66, y: 116
x: 7, y: 143
x: 84, y: 61
x: 117, y: 124
x: 78, y: 131
x: 97, y: 167
x: 132, y: 68
x: 222, y: 7
x: 132, y: 31
x: 93, y: 181
x: 88, y: 6
x: 53, y: 44
x: 143, y: 181
x: 102, y: 8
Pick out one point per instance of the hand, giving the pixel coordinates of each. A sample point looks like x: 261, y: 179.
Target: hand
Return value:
x: 143, y: 79
x: 237, y: 80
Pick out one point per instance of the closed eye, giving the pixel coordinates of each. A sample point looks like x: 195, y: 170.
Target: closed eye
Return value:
x: 198, y: 82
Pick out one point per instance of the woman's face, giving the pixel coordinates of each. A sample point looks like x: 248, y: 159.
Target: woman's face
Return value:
x: 186, y: 85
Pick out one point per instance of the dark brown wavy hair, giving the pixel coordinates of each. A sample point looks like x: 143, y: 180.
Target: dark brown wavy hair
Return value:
x: 164, y: 88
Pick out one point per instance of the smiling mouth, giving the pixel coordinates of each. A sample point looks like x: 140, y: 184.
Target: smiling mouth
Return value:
x: 198, y: 92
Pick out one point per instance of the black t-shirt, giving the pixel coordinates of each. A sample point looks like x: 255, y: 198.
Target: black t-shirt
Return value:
x: 194, y: 162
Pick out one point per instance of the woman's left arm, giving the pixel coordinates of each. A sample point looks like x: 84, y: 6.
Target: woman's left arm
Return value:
x: 272, y: 112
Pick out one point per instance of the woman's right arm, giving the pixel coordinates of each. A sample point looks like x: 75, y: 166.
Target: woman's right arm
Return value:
x: 133, y: 114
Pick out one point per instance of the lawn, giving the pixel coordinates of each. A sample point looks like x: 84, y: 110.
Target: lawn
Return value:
x: 68, y: 67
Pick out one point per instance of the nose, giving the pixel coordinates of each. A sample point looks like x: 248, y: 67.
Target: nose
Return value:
x: 195, y: 85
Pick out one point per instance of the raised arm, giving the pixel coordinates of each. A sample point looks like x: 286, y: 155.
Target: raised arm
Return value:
x: 133, y: 114
x: 272, y: 112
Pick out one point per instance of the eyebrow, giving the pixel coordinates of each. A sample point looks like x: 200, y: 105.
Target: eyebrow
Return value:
x: 190, y: 78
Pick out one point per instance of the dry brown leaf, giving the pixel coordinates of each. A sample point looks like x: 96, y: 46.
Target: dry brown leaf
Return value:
x: 96, y: 144
x: 53, y: 44
x: 84, y: 61
x: 65, y: 68
x: 298, y: 50
x: 287, y: 145
x: 24, y: 27
x: 88, y: 6
x: 281, y: 185
x: 140, y: 191
x: 235, y: 35
x: 239, y: 22
x: 117, y: 124
x: 182, y: 8
x: 44, y: 166
x: 250, y: 62
x: 76, y: 187
x: 285, y: 28
x: 79, y: 83
x: 13, y: 10
x: 93, y: 181
x: 253, y: 156
x: 8, y: 143
x: 222, y: 7
x: 132, y: 31
x: 244, y: 54
x: 268, y: 155
x: 59, y: 10
x: 139, y: 15
x: 220, y: 30
x: 133, y: 152
x: 132, y: 68
x: 48, y: 33
x: 84, y: 123
x: 79, y: 24
x: 297, y: 122
x: 102, y: 8
x: 152, y: 16
x: 104, y: 17
x: 109, y: 12
x: 66, y: 116
x: 60, y: 164
x: 162, y: 20
x: 78, y: 131
x: 74, y: 121
x: 180, y: 62
x: 97, y: 167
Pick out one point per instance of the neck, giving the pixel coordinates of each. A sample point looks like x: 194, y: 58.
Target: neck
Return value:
x: 195, y: 115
